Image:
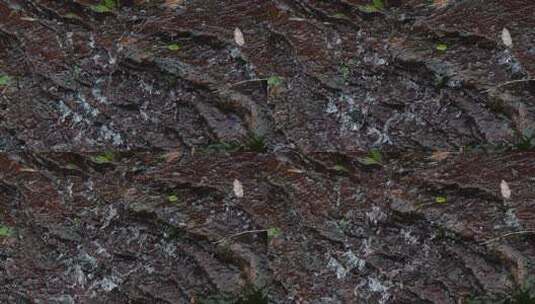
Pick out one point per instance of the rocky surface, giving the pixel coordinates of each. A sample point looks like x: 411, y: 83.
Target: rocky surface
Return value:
x: 149, y: 155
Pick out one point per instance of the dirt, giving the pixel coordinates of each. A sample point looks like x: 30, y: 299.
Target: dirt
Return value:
x: 335, y: 156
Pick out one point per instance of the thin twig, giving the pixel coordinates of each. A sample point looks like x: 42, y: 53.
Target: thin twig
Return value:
x: 508, y: 83
x: 248, y: 80
x: 240, y: 233
x: 507, y: 235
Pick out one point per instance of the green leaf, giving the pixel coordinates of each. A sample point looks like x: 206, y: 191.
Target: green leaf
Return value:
x: 368, y: 8
x: 340, y: 168
x: 72, y: 166
x: 374, y: 158
x: 340, y: 16
x: 5, y: 231
x: 105, y: 6
x: 110, y: 3
x: 368, y: 161
x: 100, y: 8
x: 273, y: 232
x: 4, y: 80
x: 345, y: 71
x: 173, y: 47
x: 376, y: 154
x: 104, y: 158
x: 441, y: 199
x: 379, y: 4
x: 172, y: 198
x: 274, y: 81
x: 442, y: 47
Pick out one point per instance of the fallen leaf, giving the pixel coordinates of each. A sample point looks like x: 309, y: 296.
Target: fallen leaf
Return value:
x: 238, y: 37
x: 440, y: 155
x: 238, y: 188
x: 172, y: 156
x: 173, y: 47
x: 506, y: 37
x: 295, y: 171
x: 441, y: 199
x: 440, y: 3
x: 506, y: 191
x: 173, y: 3
x: 172, y: 198
x: 442, y: 47
x: 27, y: 170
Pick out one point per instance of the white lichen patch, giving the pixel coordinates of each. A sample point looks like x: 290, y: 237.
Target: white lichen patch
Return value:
x: 96, y: 91
x: 345, y: 264
x: 376, y: 215
x: 506, y: 58
x: 373, y: 290
x: 408, y: 237
x: 107, y: 284
x: 511, y: 220
x: 108, y: 135
x: 87, y: 108
x: 349, y: 114
x: 375, y: 285
x: 352, y: 261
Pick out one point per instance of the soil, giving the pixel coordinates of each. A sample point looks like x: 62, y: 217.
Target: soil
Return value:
x: 255, y: 151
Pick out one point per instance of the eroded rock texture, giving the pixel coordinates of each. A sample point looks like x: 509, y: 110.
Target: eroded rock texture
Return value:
x: 128, y: 136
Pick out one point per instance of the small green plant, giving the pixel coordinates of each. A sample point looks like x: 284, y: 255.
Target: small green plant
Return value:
x: 441, y: 47
x: 5, y: 231
x: 374, y: 7
x: 273, y: 232
x: 4, y: 80
x: 275, y: 81
x: 374, y: 158
x: 344, y: 69
x: 105, y: 6
x: 173, y: 47
x: 255, y: 143
x: 104, y: 158
x: 527, y: 140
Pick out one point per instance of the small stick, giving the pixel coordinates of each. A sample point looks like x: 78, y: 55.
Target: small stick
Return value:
x: 240, y: 233
x: 509, y: 82
x: 248, y: 80
x: 507, y: 235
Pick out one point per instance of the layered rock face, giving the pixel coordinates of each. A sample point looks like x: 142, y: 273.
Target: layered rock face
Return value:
x: 254, y: 151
